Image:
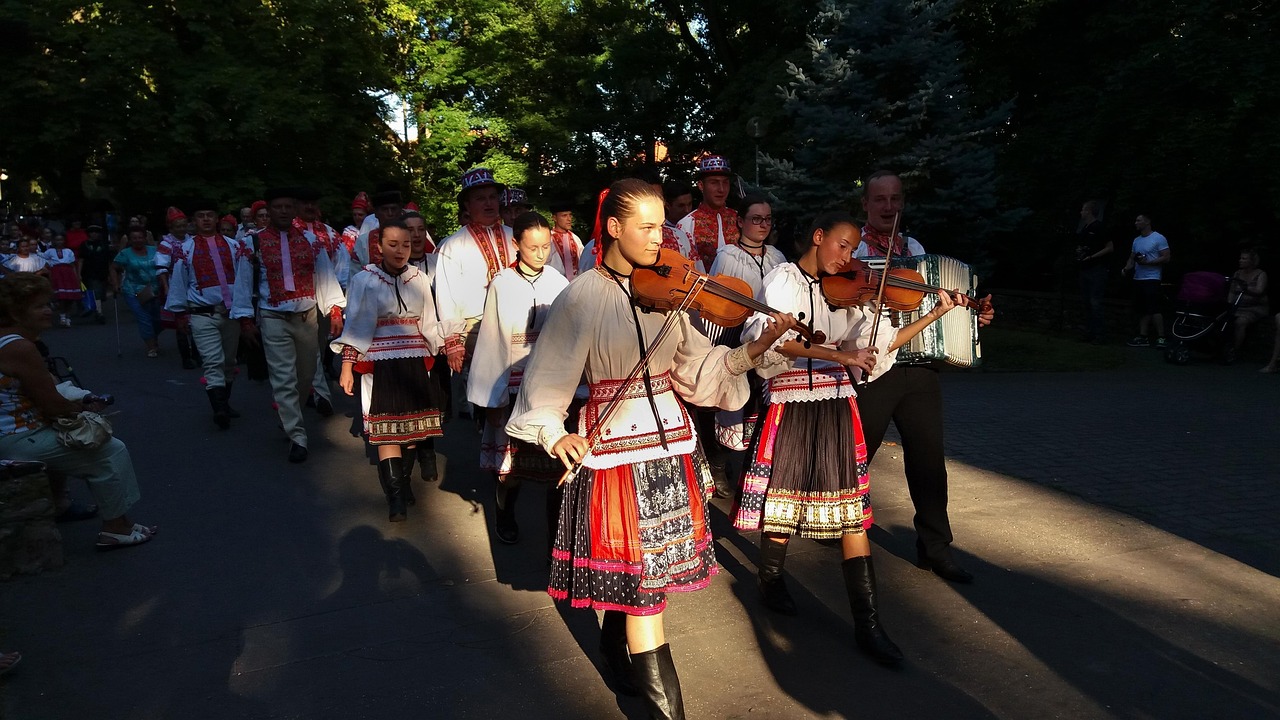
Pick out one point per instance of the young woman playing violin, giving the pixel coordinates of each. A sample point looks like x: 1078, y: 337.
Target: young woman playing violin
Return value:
x: 807, y: 468
x: 633, y: 525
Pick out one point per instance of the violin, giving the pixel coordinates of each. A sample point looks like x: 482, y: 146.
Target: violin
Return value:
x: 857, y: 284
x: 720, y: 299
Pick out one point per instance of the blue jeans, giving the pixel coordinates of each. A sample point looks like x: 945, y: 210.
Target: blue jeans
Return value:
x: 147, y: 315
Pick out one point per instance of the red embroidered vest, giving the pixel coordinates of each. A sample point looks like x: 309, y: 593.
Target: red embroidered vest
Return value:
x: 302, y: 259
x: 706, y: 231
x: 202, y: 262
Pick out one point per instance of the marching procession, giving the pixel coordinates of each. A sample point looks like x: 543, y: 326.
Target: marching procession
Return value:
x: 631, y: 406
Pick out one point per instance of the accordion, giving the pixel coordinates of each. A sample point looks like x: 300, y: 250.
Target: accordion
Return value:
x: 954, y: 338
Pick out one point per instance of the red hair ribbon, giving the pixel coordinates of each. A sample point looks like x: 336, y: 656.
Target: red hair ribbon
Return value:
x: 597, y: 233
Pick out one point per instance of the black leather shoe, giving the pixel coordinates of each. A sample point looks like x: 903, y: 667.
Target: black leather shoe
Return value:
x: 943, y: 567
x: 297, y: 453
x: 776, y: 597
x: 324, y: 407
x: 948, y: 570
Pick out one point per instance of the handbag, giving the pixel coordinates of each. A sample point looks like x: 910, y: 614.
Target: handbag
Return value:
x: 84, y: 431
x: 145, y: 295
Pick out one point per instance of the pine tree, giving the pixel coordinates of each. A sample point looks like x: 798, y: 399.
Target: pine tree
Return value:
x: 884, y: 88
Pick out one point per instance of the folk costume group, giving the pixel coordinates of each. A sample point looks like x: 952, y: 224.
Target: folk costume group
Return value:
x: 585, y: 390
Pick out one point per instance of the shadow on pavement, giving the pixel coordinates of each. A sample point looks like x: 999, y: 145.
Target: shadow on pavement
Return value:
x: 1187, y: 449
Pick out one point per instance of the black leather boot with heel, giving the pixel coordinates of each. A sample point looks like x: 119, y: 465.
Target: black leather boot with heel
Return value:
x: 391, y: 476
x: 655, y: 676
x: 613, y: 646
x: 773, y: 588
x: 860, y: 581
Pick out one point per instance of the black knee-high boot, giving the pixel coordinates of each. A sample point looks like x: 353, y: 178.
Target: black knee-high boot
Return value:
x: 613, y: 646
x: 505, y: 526
x: 773, y: 587
x: 218, y: 400
x: 555, y: 496
x: 427, y: 460
x: 860, y: 581
x: 391, y: 476
x: 655, y: 675
x: 407, y: 457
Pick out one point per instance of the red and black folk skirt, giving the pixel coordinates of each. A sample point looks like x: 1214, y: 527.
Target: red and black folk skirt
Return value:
x: 404, y: 406
x: 629, y: 535
x: 807, y: 472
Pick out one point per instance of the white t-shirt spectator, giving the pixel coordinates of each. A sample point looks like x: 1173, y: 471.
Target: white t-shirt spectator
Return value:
x: 1148, y: 247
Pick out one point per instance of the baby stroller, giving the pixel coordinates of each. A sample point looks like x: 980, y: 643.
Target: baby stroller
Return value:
x: 1202, y: 319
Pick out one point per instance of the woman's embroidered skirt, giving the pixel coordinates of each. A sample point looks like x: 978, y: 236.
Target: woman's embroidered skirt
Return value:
x: 631, y: 534
x: 807, y: 472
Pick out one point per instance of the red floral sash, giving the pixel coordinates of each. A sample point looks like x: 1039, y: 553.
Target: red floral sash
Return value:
x: 878, y: 242
x: 564, y: 240
x: 497, y: 259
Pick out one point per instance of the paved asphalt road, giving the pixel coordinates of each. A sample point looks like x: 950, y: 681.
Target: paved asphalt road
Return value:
x: 1122, y: 526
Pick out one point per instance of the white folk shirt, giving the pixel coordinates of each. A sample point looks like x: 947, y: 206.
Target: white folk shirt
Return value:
x: 54, y: 257
x: 31, y: 263
x: 165, y: 250
x: 463, y: 273
x: 379, y: 327
x: 337, y: 253
x: 736, y: 262
x: 326, y: 292
x: 788, y: 289
x: 591, y: 330
x: 515, y: 310
x: 887, y: 333
x: 185, y: 289
x: 566, y: 253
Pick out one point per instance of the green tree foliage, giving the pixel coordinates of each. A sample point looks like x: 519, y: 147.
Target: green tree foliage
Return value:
x: 195, y: 97
x: 883, y: 88
x: 1158, y: 107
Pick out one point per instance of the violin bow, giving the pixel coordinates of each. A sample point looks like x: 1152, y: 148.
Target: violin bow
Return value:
x: 593, y: 435
x: 884, y: 276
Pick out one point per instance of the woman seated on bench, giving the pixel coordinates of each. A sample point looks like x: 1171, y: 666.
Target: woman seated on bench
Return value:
x: 29, y: 402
